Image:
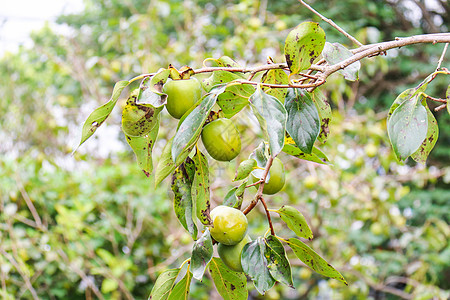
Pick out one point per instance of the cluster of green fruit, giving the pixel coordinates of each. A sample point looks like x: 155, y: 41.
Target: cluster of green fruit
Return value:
x: 220, y: 137
x: 229, y: 229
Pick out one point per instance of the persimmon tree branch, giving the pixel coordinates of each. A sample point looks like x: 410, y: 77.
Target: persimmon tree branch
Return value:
x: 258, y: 195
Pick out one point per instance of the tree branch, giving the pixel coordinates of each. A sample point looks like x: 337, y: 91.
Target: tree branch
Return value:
x: 258, y: 195
x: 441, y: 59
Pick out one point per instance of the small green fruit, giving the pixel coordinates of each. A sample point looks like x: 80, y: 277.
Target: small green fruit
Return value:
x: 181, y: 95
x: 277, y: 178
x: 229, y: 225
x: 371, y: 150
x: 221, y: 139
x: 310, y: 181
x: 231, y: 255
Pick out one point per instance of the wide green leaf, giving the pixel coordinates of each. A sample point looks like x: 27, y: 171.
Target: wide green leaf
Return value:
x: 217, y: 78
x: 235, y: 196
x: 275, y: 76
x: 99, y: 115
x: 200, y: 188
x: 142, y: 147
x: 181, y: 289
x: 166, y: 165
x: 230, y: 285
x: 431, y: 138
x: 139, y: 119
x: 334, y: 53
x: 181, y: 187
x: 272, y: 117
x: 303, y: 44
x: 295, y: 221
x: 244, y: 169
x: 325, y: 114
x: 303, y: 123
x: 164, y: 285
x: 202, y: 253
x: 254, y: 263
x: 278, y: 264
x: 316, y: 155
x: 313, y: 260
x: 189, y: 131
x: 407, y: 127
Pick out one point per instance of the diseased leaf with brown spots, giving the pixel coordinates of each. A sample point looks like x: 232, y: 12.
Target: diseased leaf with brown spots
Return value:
x: 278, y: 264
x: 313, y: 260
x: 432, y: 135
x: 295, y: 221
x: 325, y: 114
x: 182, y: 203
x: 275, y: 76
x: 200, y: 188
x: 181, y: 289
x: 231, y: 285
x: 142, y: 147
x: 303, y: 45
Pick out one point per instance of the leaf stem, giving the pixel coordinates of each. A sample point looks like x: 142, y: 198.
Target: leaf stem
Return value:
x: 272, y: 231
x: 441, y: 59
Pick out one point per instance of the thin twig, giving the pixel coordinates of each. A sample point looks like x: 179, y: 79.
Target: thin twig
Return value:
x: 272, y: 231
x: 434, y: 99
x: 440, y: 107
x: 441, y: 59
x: 354, y: 40
x: 29, y: 202
x: 258, y: 195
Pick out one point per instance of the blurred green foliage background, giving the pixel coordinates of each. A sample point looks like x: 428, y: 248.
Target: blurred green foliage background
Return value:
x: 93, y: 226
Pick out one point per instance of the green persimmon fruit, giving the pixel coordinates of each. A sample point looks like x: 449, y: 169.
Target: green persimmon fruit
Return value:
x: 221, y: 139
x: 181, y: 95
x: 277, y: 178
x: 229, y: 225
x: 231, y: 255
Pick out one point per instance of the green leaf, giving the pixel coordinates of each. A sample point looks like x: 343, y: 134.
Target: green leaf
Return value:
x: 166, y: 165
x: 139, y: 119
x: 218, y: 78
x: 189, y: 131
x: 303, y: 44
x: 316, y: 155
x: 181, y: 289
x: 303, y: 123
x: 254, y: 263
x: 200, y: 188
x: 313, y: 260
x: 272, y: 117
x: 181, y: 187
x: 164, y: 285
x: 430, y: 140
x: 261, y: 156
x: 202, y: 253
x: 334, y: 53
x: 235, y: 196
x: 324, y: 109
x: 245, y: 168
x: 142, y: 147
x: 99, y: 115
x: 235, y: 98
x: 230, y: 285
x: 407, y: 127
x: 278, y: 264
x: 275, y: 76
x: 295, y: 221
